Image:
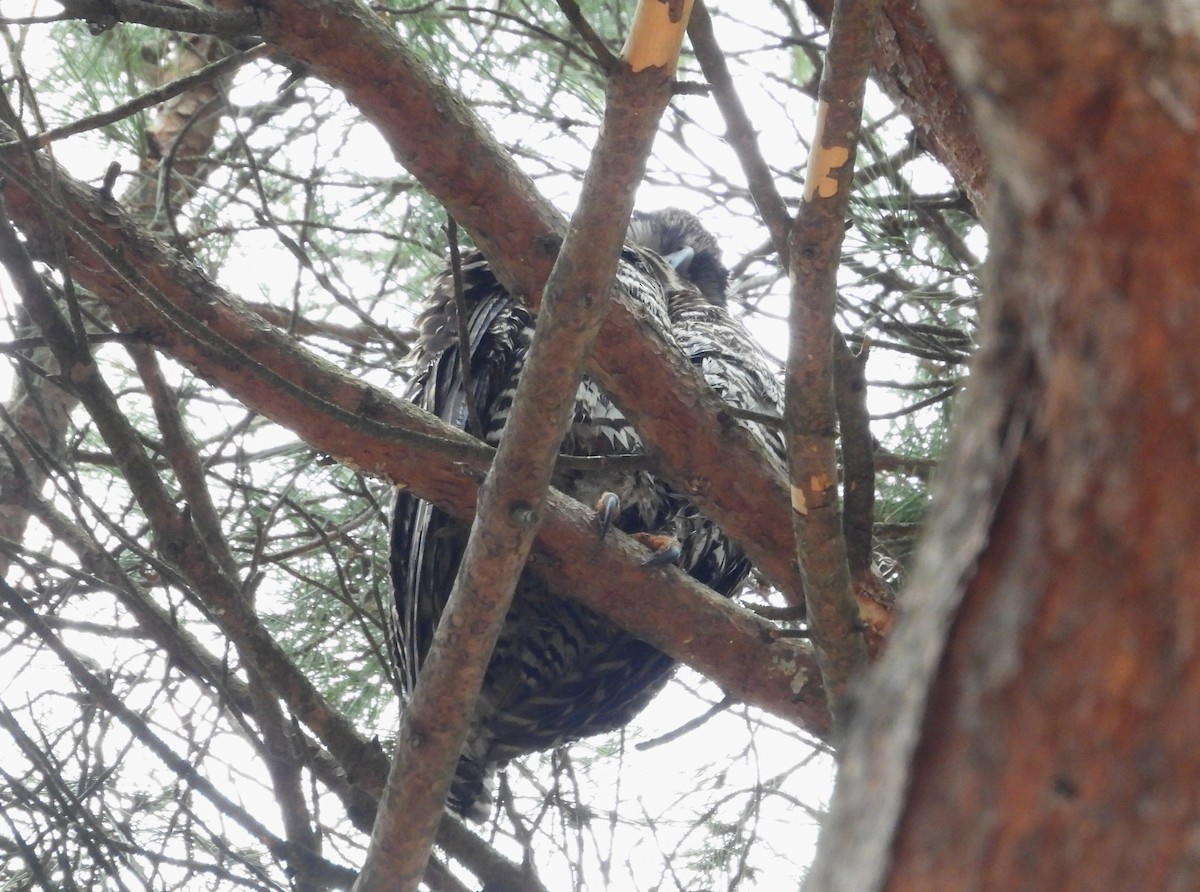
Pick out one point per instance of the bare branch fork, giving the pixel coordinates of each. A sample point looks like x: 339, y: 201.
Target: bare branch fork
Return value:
x: 810, y: 406
x: 513, y: 496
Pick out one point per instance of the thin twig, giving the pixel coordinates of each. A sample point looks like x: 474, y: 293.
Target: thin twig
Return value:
x: 604, y: 57
x: 140, y: 103
x: 690, y: 725
x: 462, y: 317
x: 739, y: 131
x: 939, y: 397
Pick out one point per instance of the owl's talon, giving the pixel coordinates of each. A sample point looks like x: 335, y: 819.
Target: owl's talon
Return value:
x: 667, y: 548
x: 608, y: 506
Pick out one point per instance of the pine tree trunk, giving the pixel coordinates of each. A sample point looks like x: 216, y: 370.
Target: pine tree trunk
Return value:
x: 1032, y: 725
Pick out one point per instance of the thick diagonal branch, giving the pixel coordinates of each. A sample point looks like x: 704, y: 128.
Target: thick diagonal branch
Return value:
x: 810, y: 408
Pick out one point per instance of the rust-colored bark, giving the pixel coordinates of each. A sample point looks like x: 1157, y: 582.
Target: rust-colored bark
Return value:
x: 814, y: 252
x: 1029, y: 727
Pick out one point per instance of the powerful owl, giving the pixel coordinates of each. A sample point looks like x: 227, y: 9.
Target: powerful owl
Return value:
x: 560, y: 671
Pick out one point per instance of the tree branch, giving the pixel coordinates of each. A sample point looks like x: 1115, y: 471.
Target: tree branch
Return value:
x: 914, y: 72
x: 104, y: 14
x: 854, y: 422
x: 810, y: 406
x: 603, y: 55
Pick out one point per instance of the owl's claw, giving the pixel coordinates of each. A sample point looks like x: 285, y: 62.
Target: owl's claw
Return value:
x: 667, y: 548
x: 608, y: 506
